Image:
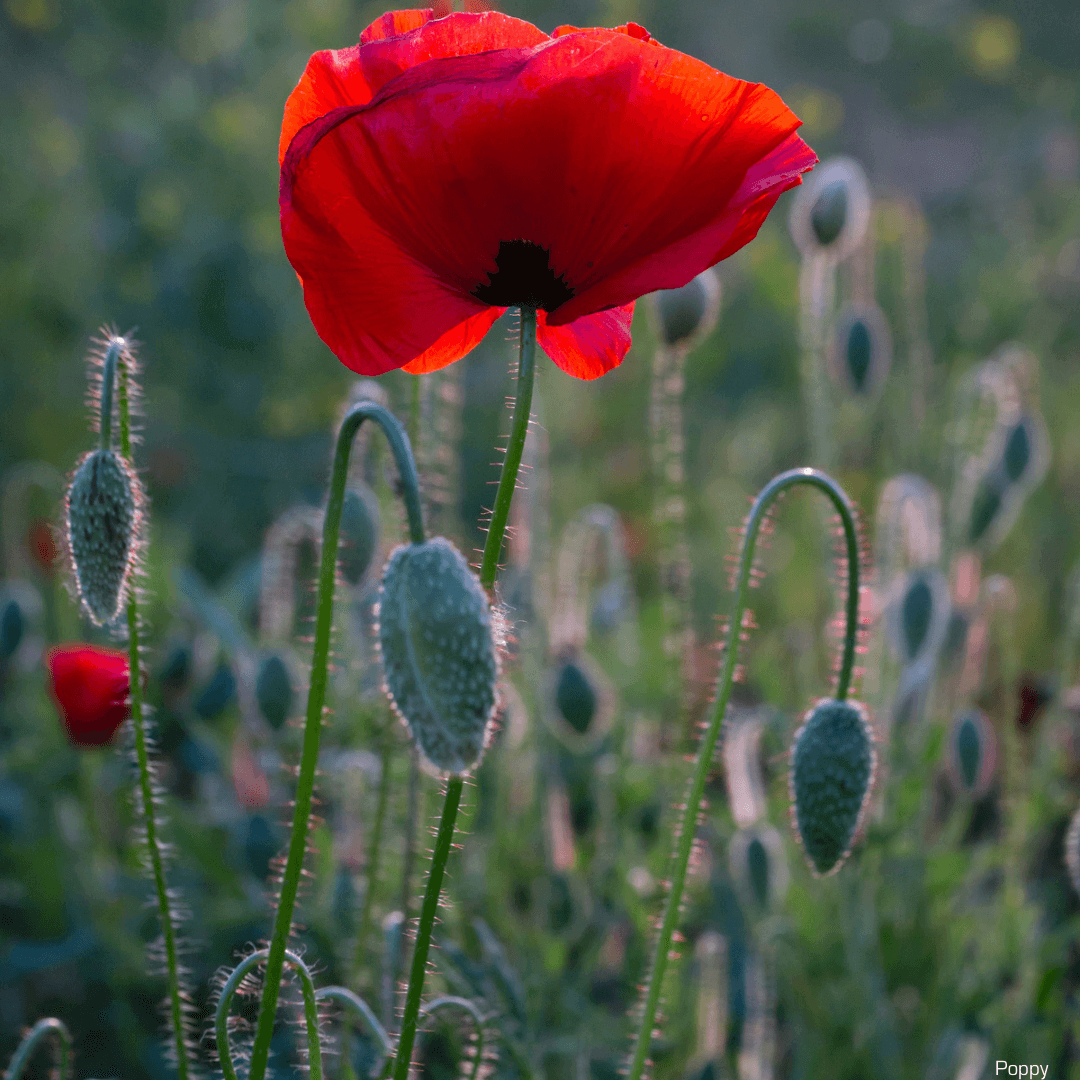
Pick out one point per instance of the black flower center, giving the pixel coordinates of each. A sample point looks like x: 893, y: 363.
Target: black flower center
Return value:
x: 523, y: 278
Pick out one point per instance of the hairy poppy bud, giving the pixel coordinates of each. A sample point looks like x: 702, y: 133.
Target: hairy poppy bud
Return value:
x: 103, y: 505
x: 688, y: 314
x: 12, y: 624
x: 1017, y: 454
x: 832, y: 769
x: 986, y: 505
x: 756, y: 858
x: 359, y: 533
x: 90, y: 686
x: 437, y: 644
x: 972, y: 752
x: 919, y: 617
x: 217, y: 694
x: 861, y: 351
x: 580, y: 700
x: 575, y: 697
x: 274, y: 691
x: 829, y: 211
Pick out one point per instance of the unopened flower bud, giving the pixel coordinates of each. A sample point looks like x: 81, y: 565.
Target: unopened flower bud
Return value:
x: 829, y: 211
x: 832, y: 769
x: 437, y: 645
x: 103, y: 508
x: 688, y: 314
x: 274, y: 691
x: 972, y: 752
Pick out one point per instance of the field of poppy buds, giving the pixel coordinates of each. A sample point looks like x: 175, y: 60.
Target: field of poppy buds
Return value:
x: 570, y: 571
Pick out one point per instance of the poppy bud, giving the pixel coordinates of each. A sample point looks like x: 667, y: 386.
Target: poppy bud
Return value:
x: 581, y: 701
x: 756, y: 858
x: 102, y: 518
x: 832, y: 770
x: 575, y: 698
x: 90, y: 686
x: 972, y: 752
x: 920, y: 619
x: 829, y: 212
x: 986, y: 505
x: 216, y: 694
x: 437, y: 645
x: 1017, y: 453
x: 688, y: 314
x: 274, y: 691
x: 359, y: 533
x: 1072, y: 850
x: 861, y: 351
x: 12, y: 624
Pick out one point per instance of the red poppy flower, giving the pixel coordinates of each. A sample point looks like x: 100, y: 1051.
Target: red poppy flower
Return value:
x: 90, y: 686
x: 445, y: 169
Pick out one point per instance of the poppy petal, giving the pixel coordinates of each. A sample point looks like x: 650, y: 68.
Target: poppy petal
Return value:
x: 90, y: 686
x: 589, y: 346
x: 394, y: 43
x: 455, y: 343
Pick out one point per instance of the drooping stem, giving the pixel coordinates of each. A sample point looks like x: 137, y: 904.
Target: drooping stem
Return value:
x: 311, y: 1014
x: 681, y: 857
x: 443, y: 843
x: 500, y: 513
x: 146, y: 787
x: 305, y: 784
x: 50, y: 1025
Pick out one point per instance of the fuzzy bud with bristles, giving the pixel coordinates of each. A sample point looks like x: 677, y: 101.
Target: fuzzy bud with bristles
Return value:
x: 972, y: 753
x: 103, y: 515
x: 758, y: 867
x: 832, y: 771
x: 861, y: 351
x: 687, y: 315
x: 438, y: 652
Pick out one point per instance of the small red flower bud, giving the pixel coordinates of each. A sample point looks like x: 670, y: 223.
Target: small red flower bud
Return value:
x: 90, y: 686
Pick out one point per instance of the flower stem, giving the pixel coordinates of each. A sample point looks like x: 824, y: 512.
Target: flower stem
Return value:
x: 681, y: 858
x: 443, y: 842
x: 114, y: 358
x: 50, y: 1025
x: 412, y: 816
x: 305, y: 784
x: 519, y: 429
x: 488, y: 569
x: 374, y: 848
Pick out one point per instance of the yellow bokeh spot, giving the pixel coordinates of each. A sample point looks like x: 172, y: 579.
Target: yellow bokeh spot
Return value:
x: 237, y: 122
x: 821, y: 111
x: 993, y: 44
x: 58, y: 144
x: 160, y: 207
x: 32, y: 14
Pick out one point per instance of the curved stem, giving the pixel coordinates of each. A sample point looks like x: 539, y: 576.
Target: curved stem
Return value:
x: 311, y: 1014
x: 344, y: 996
x: 146, y: 787
x: 305, y: 784
x: 443, y: 842
x: 519, y: 428
x: 450, y: 1002
x: 50, y: 1025
x: 681, y: 857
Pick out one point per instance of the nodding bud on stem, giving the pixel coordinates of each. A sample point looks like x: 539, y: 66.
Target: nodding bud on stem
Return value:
x: 685, y: 316
x: 438, y: 651
x: 861, y: 351
x: 972, y: 753
x: 831, y: 210
x: 103, y: 511
x: 832, y: 770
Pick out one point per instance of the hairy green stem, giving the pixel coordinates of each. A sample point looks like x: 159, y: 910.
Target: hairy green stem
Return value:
x: 688, y: 827
x: 500, y: 513
x: 443, y: 843
x: 311, y: 1013
x: 344, y: 996
x: 450, y: 1002
x: 305, y: 784
x: 412, y: 816
x: 108, y: 379
x: 146, y: 787
x: 50, y: 1025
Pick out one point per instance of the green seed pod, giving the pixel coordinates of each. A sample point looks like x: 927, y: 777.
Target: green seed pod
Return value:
x: 972, y: 753
x: 832, y: 771
x: 580, y: 700
x: 359, y: 533
x: 103, y: 515
x: 437, y: 645
x: 829, y: 212
x: 274, y: 691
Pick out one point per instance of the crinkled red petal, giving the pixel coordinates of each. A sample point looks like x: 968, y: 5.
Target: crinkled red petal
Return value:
x: 455, y: 343
x: 397, y: 41
x: 589, y: 346
x: 90, y: 686
x: 635, y: 166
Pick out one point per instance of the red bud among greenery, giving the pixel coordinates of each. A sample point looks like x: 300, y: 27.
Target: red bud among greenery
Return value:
x: 90, y: 686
